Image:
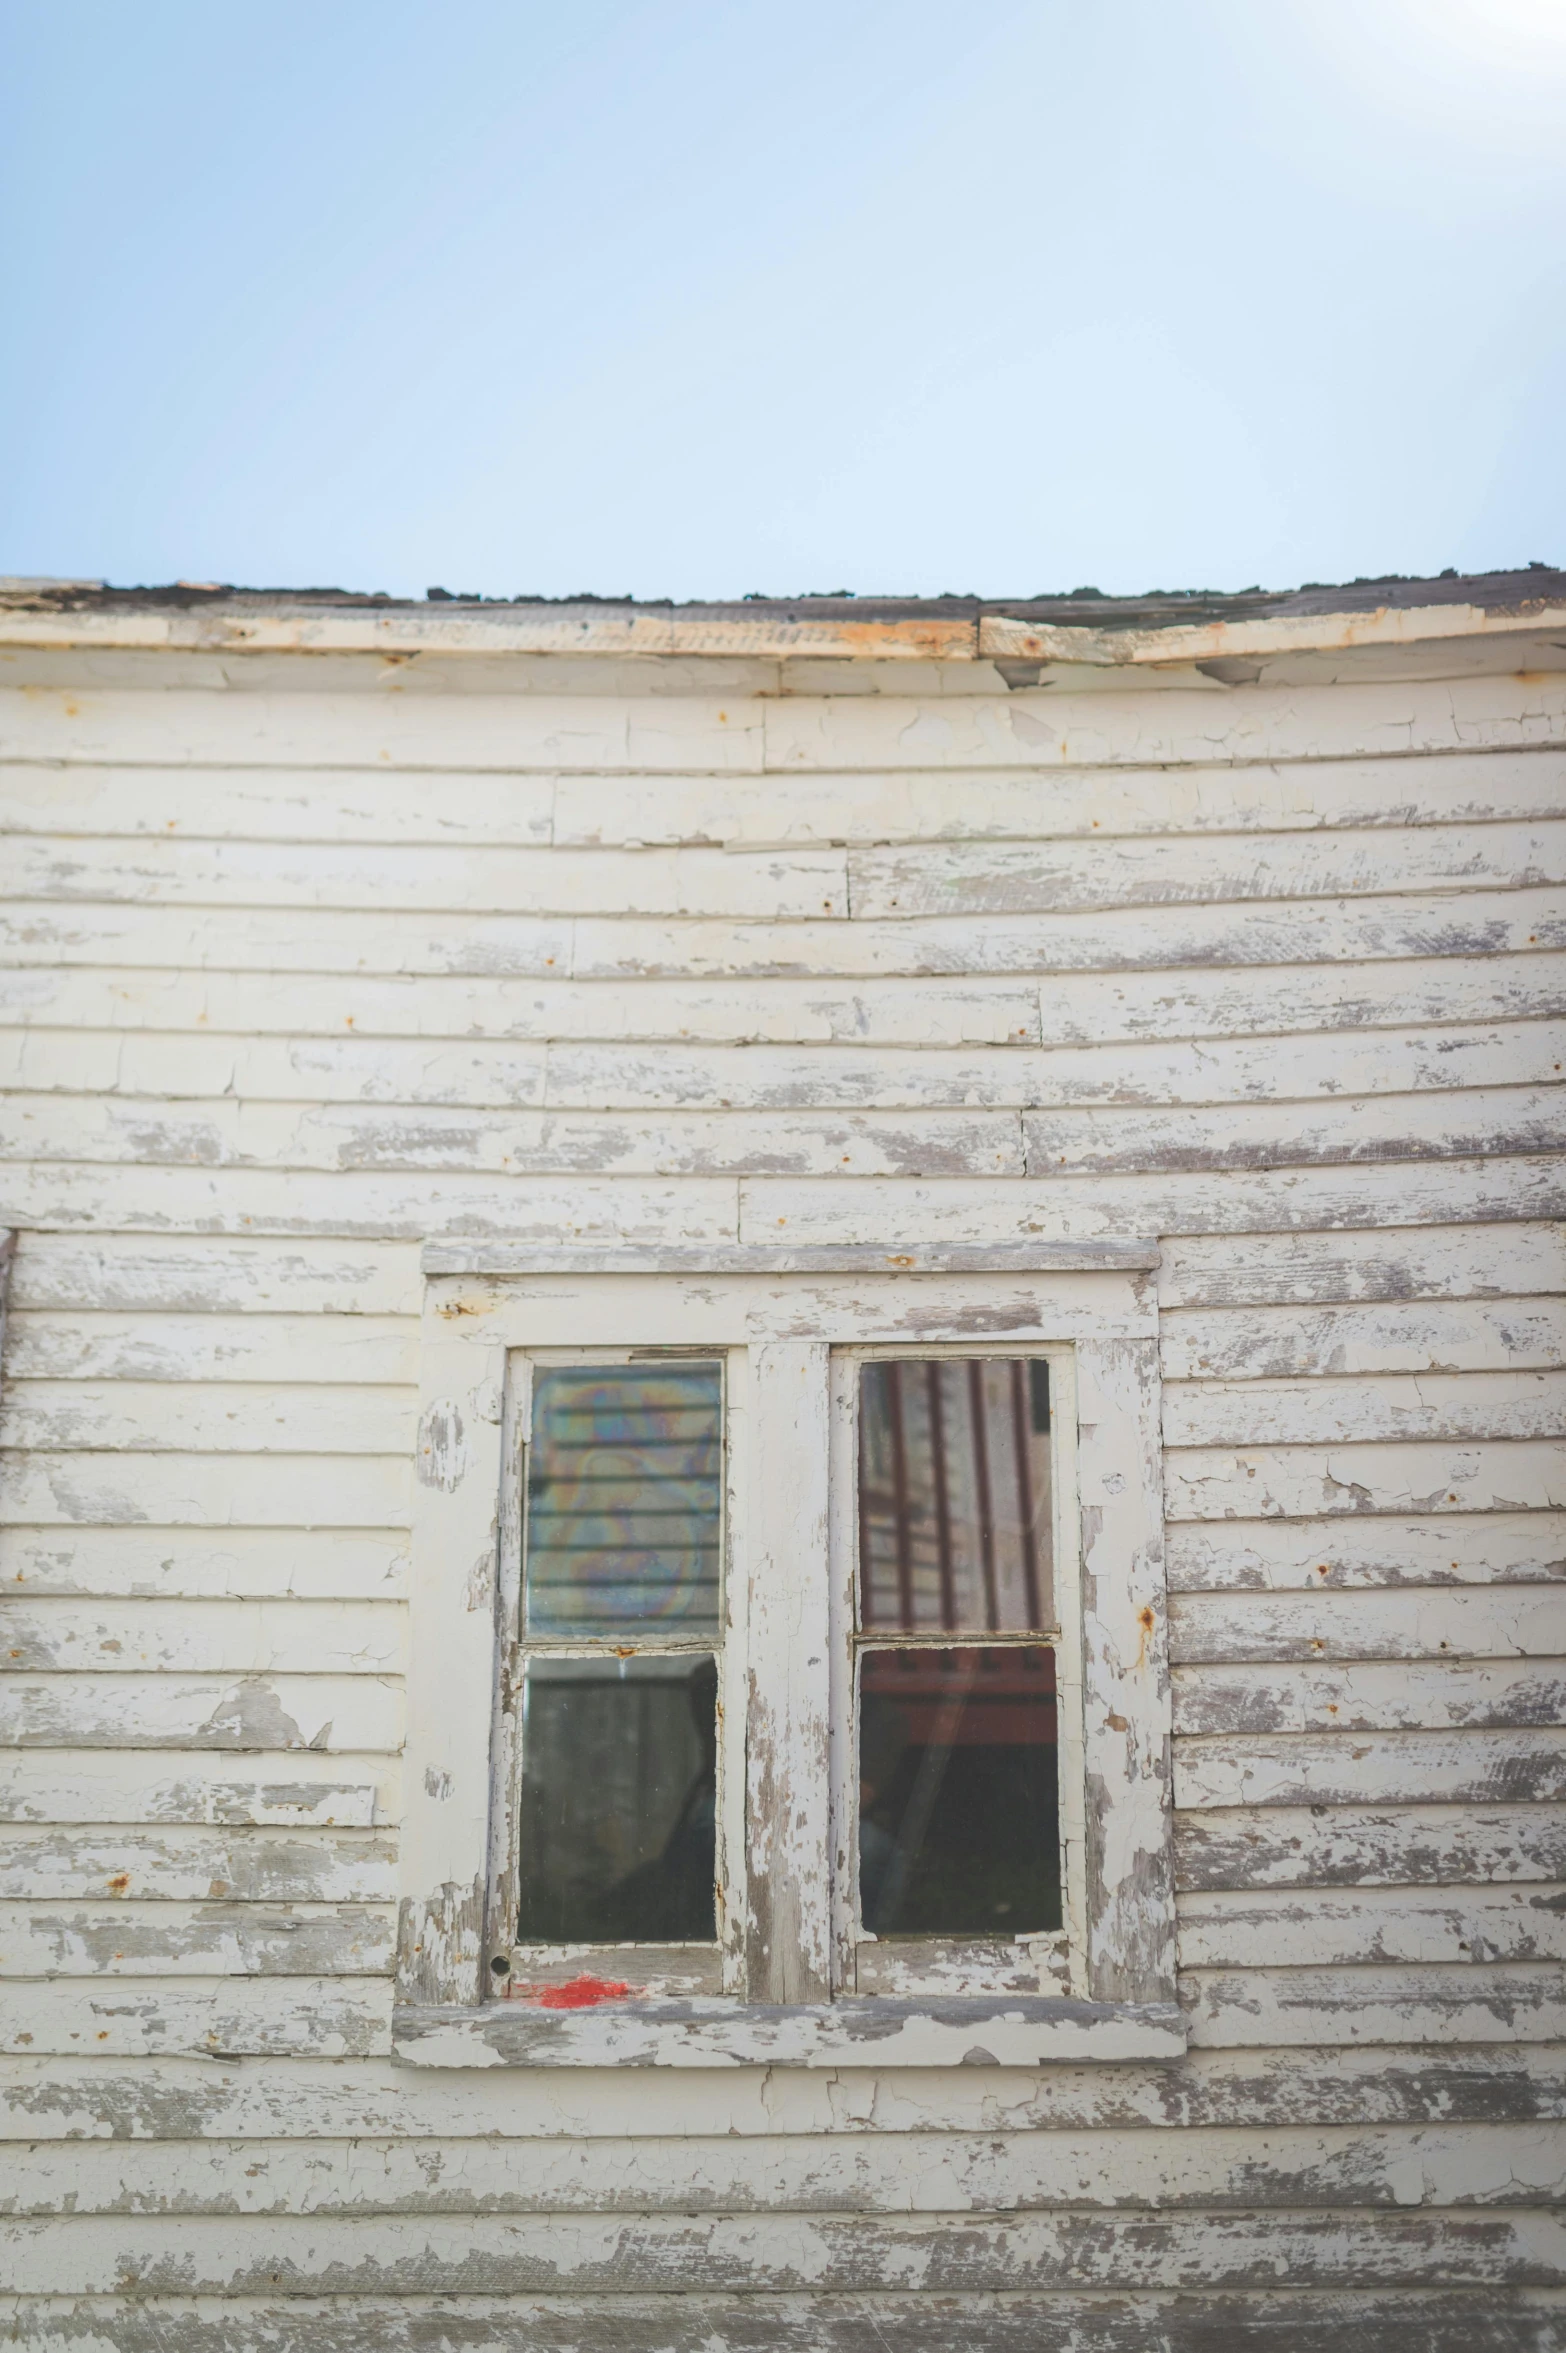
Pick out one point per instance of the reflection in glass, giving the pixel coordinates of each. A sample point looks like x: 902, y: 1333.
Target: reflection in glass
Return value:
x: 619, y: 1785
x: 958, y: 1819
x: 624, y: 1500
x: 954, y: 1497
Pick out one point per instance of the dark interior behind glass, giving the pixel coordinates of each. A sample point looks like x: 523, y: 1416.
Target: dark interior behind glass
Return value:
x: 958, y: 1767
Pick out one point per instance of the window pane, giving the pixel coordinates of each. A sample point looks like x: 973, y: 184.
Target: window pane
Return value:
x: 954, y: 1497
x: 624, y: 1500
x: 619, y: 1785
x: 958, y: 1823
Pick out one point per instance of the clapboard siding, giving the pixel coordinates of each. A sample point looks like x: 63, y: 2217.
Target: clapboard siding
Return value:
x: 1070, y: 1008
x: 297, y: 973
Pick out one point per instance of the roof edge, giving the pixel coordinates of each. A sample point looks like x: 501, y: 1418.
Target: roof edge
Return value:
x: 1086, y: 628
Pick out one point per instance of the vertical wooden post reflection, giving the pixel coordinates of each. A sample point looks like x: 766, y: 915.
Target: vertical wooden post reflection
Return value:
x: 981, y: 1480
x: 902, y: 1518
x: 943, y: 1507
x: 1030, y: 1550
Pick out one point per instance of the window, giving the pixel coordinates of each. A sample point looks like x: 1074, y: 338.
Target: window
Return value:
x: 788, y: 1675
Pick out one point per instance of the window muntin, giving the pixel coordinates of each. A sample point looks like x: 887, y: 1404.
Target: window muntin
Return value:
x: 615, y: 1676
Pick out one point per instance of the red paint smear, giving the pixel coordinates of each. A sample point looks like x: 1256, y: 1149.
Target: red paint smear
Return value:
x: 581, y: 1993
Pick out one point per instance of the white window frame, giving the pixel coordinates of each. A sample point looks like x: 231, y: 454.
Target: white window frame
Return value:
x: 791, y: 1981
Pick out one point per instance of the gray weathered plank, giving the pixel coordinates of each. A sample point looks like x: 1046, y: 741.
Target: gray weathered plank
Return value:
x: 1279, y: 1556
x: 1358, y: 1846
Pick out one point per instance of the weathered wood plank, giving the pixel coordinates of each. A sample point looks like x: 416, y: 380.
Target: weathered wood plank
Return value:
x: 332, y: 1137
x: 290, y: 1789
x: 1442, y: 924
x: 147, y: 2102
x: 1479, y: 2002
x: 117, y: 1865
x: 177, y: 1636
x: 1518, y: 1767
x: 201, y: 1274
x: 243, y: 1939
x: 329, y: 2017
x: 481, y: 809
x: 308, y: 1564
x: 1493, y: 1622
x: 1407, y: 1696
x: 282, y: 1350
x: 190, y: 1417
x: 1402, y: 1336
x: 517, y: 2254
x: 387, y: 731
x: 1257, y: 1556
x: 1071, y: 1008
x: 803, y: 884
x: 873, y: 2175
x: 972, y: 878
x: 1307, y: 1482
x: 1285, y: 1135
x: 1260, y: 1930
x: 376, y: 1206
x: 1405, y: 2320
x: 915, y: 1215
x: 672, y: 1075
x: 1048, y: 729
x: 112, y: 1489
x: 324, y: 1712
x: 1261, y: 1271
x: 1323, y: 1410
x: 1353, y: 1846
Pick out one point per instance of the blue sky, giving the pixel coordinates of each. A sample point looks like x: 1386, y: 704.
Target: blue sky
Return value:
x: 695, y: 299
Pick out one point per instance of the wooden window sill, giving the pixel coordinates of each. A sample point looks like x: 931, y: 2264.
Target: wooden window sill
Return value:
x: 944, y: 2031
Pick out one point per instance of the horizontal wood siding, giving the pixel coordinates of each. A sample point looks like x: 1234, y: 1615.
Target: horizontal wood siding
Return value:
x: 296, y: 974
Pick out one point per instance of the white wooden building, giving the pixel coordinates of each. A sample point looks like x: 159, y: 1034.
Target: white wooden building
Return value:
x: 431, y: 1022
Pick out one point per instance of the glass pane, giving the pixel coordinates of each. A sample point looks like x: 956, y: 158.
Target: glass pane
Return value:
x: 624, y: 1500
x: 954, y: 1497
x: 619, y: 1780
x: 958, y: 1819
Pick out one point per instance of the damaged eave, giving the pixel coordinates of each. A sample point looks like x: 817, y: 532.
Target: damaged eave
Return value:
x: 1003, y: 639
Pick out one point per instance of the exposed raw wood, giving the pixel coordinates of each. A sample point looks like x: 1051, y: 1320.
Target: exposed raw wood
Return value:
x: 874, y: 2031
x: 1384, y: 1405
x: 1289, y: 1270
x: 575, y: 1076
x: 196, y: 1866
x: 1144, y: 939
x: 1477, y: 2002
x: 1446, y: 1336
x: 147, y: 2103
x: 1355, y: 1846
x: 161, y: 1710
x: 1502, y: 1548
x: 1312, y: 1928
x: 1368, y: 1698
x: 199, y: 1275
x: 288, y: 1788
x: 333, y: 2018
x: 1401, y: 2320
x: 1301, y: 1482
x: 1070, y: 1008
x: 285, y: 1350
x: 1464, y: 1767
x: 235, y: 1939
x: 512, y: 2254
x: 257, y: 1490
x: 178, y: 1636
x: 873, y: 805
x: 1493, y: 1622
x: 309, y: 1564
